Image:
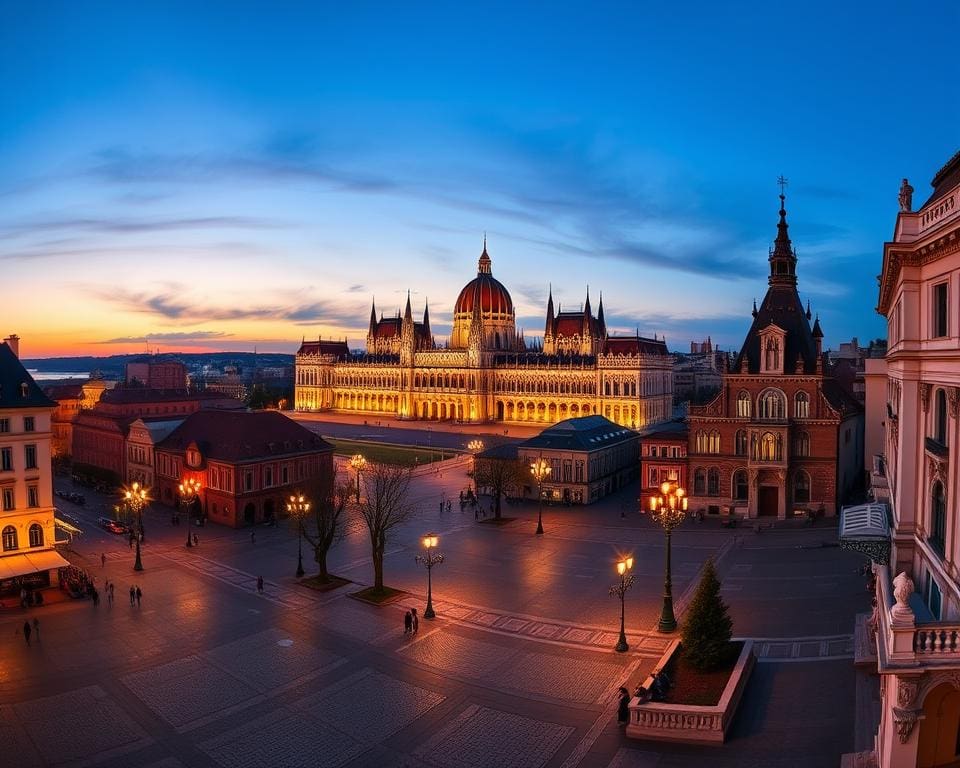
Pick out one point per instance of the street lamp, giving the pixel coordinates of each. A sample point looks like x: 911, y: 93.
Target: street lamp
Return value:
x: 359, y: 463
x: 136, y: 499
x: 540, y: 471
x: 430, y: 559
x: 188, y: 492
x: 668, y: 509
x: 626, y: 581
x: 475, y: 446
x: 298, y: 507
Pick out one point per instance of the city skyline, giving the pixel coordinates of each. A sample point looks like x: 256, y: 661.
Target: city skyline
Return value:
x: 223, y: 181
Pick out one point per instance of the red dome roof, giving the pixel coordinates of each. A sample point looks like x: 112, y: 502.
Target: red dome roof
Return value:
x: 486, y: 289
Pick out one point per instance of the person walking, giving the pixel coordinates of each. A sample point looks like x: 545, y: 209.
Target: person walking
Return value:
x: 95, y: 596
x: 623, y: 706
x: 253, y: 537
x: 139, y: 595
x: 36, y: 628
x: 103, y: 560
x: 415, y: 620
x: 407, y: 623
x: 26, y: 631
x: 110, y: 594
x: 196, y: 540
x: 133, y: 595
x: 260, y: 584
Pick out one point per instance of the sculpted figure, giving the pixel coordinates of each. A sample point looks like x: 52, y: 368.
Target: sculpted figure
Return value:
x: 906, y: 196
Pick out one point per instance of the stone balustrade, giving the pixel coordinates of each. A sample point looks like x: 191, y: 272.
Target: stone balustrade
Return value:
x: 937, y: 640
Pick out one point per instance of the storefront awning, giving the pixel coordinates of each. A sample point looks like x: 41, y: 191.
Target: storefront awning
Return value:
x: 21, y: 564
x: 866, y: 528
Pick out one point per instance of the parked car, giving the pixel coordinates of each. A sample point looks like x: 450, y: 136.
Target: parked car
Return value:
x: 113, y: 526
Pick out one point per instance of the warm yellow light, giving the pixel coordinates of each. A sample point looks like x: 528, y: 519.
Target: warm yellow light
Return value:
x: 653, y: 503
x: 621, y: 567
x: 680, y: 492
x: 629, y: 563
x: 664, y: 488
x: 684, y: 504
x: 430, y: 540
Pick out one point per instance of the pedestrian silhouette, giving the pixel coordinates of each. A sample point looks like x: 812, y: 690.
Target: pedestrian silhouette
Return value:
x: 139, y: 595
x: 26, y: 631
x: 103, y: 560
x: 253, y: 537
x: 196, y: 540
x: 415, y: 620
x: 260, y: 584
x: 407, y: 623
x: 133, y: 595
x: 36, y: 628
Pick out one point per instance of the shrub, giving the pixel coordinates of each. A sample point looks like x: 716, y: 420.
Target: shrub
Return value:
x: 707, y: 628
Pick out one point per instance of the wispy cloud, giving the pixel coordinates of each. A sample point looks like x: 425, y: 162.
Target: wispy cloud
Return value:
x: 172, y: 337
x: 134, y: 226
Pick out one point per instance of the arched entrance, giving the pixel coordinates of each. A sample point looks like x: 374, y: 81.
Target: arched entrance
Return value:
x: 938, y: 746
x: 249, y: 514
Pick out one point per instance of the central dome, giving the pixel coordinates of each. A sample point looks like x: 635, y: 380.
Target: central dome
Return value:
x: 485, y: 288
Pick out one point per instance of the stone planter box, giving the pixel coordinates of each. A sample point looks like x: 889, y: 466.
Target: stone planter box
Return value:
x: 660, y: 721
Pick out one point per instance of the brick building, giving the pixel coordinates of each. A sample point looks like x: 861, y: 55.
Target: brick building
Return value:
x: 782, y: 436
x: 156, y: 372
x: 663, y: 457
x: 248, y: 463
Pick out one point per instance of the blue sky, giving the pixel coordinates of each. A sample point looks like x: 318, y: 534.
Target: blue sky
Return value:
x: 213, y: 176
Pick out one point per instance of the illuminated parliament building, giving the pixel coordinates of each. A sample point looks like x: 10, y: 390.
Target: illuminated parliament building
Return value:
x: 487, y: 372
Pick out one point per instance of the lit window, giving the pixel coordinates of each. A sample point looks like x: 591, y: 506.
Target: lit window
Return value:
x: 9, y: 500
x: 36, y: 535
x: 33, y: 496
x: 802, y: 405
x: 9, y: 538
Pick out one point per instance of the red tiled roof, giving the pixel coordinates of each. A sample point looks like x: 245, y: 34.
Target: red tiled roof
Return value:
x: 634, y: 345
x: 64, y: 391
x: 489, y: 291
x: 336, y: 348
x: 237, y: 436
x: 569, y: 324
x: 122, y: 395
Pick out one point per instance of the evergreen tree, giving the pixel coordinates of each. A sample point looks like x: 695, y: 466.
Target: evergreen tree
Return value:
x: 707, y: 628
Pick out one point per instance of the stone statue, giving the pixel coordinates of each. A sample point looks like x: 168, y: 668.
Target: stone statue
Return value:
x: 906, y: 196
x: 902, y: 589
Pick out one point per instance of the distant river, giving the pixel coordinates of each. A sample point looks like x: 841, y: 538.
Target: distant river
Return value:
x: 52, y: 375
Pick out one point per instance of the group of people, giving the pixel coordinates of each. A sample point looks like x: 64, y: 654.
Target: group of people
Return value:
x: 136, y: 594
x: 411, y: 623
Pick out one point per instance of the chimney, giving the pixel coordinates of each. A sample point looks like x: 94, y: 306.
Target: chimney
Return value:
x: 13, y: 341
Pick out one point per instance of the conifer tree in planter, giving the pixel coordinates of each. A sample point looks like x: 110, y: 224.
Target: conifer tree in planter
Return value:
x: 707, y: 628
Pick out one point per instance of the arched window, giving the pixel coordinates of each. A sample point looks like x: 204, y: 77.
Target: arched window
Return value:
x: 801, y: 444
x: 740, y: 485
x: 700, y: 482
x: 713, y: 442
x: 801, y: 405
x: 713, y: 482
x: 701, y: 442
x: 938, y: 518
x: 769, y: 447
x: 801, y: 487
x: 741, y: 443
x: 9, y: 538
x: 743, y: 405
x: 940, y: 417
x: 772, y: 404
x: 36, y: 535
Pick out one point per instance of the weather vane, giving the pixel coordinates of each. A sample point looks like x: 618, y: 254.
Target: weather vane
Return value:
x: 782, y: 182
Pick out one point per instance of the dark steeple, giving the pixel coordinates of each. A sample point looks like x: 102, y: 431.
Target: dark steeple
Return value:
x: 587, y: 316
x: 817, y: 330
x: 483, y: 266
x: 426, y: 318
x: 783, y: 259
x: 600, y: 321
x: 408, y: 313
x: 373, y: 315
x: 549, y: 328
x: 808, y: 310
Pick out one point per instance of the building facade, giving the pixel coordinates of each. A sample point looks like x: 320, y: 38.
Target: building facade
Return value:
x: 663, y: 458
x: 142, y: 438
x: 918, y: 613
x: 248, y: 464
x: 488, y: 373
x: 782, y: 436
x: 27, y: 526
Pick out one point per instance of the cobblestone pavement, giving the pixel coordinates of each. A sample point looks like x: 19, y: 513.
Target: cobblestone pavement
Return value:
x: 516, y: 670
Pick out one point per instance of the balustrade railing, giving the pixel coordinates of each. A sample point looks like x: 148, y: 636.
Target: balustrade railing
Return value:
x: 938, y: 640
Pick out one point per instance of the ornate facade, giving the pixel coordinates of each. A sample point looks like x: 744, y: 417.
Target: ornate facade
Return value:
x: 782, y: 436
x: 916, y: 627
x: 488, y: 373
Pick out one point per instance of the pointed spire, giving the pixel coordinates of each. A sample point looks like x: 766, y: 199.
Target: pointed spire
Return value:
x: 484, y: 265
x: 600, y: 319
x: 808, y: 310
x: 408, y: 313
x: 549, y: 327
x: 755, y: 308
x: 426, y: 316
x: 373, y: 315
x: 783, y: 259
x: 817, y: 330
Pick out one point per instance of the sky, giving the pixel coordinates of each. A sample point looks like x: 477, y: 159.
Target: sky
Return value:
x: 230, y: 176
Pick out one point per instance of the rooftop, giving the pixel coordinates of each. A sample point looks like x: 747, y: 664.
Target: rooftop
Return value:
x: 17, y: 387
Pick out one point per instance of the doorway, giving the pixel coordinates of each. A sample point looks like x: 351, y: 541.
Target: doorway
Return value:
x: 768, y: 501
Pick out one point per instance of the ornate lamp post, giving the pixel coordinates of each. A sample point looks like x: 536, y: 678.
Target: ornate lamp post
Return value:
x: 475, y: 446
x: 136, y: 499
x: 668, y: 509
x: 298, y: 506
x: 626, y: 581
x: 359, y: 463
x: 540, y: 470
x: 188, y: 492
x: 430, y: 559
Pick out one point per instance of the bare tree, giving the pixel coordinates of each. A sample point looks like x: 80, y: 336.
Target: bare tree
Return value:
x: 384, y: 506
x: 322, y: 524
x: 499, y: 475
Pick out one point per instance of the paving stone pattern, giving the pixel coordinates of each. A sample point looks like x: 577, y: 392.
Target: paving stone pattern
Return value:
x: 370, y: 706
x: 87, y: 721
x: 188, y: 689
x: 488, y: 738
x: 458, y: 655
x: 558, y: 677
x: 634, y: 758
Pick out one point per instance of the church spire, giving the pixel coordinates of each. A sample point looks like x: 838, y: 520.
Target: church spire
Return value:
x: 373, y: 316
x: 484, y: 265
x: 408, y: 313
x: 549, y: 328
x: 600, y: 321
x: 426, y: 317
x: 783, y: 259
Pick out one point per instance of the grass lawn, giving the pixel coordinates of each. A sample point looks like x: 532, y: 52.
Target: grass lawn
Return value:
x: 389, y: 454
x: 385, y: 596
x: 704, y: 689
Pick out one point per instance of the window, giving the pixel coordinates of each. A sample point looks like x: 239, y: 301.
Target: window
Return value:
x: 801, y: 444
x: 248, y: 481
x: 932, y: 596
x: 743, y: 405
x: 802, y: 405
x: 579, y: 471
x: 652, y: 477
x: 36, y: 535
x: 30, y: 456
x: 940, y: 417
x: 284, y: 474
x: 940, y: 328
x: 801, y: 487
x: 938, y: 518
x: 28, y: 424
x: 6, y: 459
x: 33, y: 496
x: 267, y: 477
x: 9, y: 500
x: 708, y: 442
x: 740, y: 485
x: 741, y: 443
x: 773, y: 405
x: 700, y: 482
x: 9, y: 538
x: 769, y: 447
x: 4, y: 425
x: 713, y: 482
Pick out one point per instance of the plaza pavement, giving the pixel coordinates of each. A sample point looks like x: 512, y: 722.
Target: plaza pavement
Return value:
x: 517, y: 670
